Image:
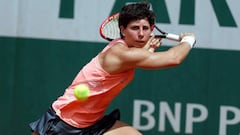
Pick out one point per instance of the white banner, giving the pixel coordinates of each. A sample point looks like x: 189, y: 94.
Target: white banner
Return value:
x: 40, y: 19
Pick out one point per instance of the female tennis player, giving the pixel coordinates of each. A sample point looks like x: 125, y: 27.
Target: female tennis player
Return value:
x: 107, y: 74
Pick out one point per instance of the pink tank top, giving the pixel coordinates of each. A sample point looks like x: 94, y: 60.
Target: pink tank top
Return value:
x: 103, y: 88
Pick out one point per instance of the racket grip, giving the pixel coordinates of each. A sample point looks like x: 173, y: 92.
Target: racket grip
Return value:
x: 173, y: 37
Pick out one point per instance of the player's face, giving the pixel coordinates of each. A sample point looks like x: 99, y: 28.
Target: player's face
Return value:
x: 137, y: 33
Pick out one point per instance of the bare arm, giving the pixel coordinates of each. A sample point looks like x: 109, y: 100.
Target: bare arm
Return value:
x: 121, y: 58
x: 172, y: 57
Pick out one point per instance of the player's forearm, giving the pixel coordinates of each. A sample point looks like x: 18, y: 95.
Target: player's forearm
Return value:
x: 170, y: 58
x: 182, y: 50
x: 179, y: 52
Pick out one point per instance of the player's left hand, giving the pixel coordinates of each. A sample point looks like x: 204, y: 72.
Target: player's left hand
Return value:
x: 154, y: 43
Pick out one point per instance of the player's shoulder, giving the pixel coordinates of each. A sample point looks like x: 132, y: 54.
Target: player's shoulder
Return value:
x: 118, y: 48
x: 118, y: 41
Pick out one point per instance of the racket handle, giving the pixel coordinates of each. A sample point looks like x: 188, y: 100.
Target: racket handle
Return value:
x: 173, y: 37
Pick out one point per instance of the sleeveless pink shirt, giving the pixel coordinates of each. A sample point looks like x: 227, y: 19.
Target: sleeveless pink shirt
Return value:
x: 103, y: 88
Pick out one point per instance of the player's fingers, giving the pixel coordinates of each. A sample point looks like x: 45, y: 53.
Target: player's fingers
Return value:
x: 159, y: 44
x: 155, y: 41
x: 151, y: 38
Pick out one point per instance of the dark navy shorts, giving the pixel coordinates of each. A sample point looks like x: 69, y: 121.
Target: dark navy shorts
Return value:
x: 51, y: 124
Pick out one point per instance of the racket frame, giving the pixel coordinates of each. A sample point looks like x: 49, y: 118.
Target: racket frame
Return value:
x: 110, y: 18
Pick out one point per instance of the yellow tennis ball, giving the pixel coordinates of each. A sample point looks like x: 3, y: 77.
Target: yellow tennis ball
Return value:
x: 81, y: 92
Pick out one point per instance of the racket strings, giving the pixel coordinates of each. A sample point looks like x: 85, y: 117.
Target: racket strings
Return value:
x: 111, y: 30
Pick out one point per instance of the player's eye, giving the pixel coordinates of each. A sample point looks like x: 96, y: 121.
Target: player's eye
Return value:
x: 135, y: 27
x: 146, y: 28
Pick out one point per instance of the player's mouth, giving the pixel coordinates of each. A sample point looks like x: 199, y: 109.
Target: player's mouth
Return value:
x: 140, y: 43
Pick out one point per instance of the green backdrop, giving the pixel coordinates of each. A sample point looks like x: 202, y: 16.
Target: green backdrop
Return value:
x: 34, y: 72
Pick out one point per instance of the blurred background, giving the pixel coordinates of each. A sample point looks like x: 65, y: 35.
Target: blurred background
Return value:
x: 44, y: 44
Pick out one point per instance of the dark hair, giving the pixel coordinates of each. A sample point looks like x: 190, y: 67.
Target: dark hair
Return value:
x: 136, y: 11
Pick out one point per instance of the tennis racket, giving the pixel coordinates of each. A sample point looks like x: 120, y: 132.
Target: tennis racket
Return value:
x: 109, y: 30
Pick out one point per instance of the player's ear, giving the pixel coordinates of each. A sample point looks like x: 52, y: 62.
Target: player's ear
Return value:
x: 122, y: 30
x: 152, y: 27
